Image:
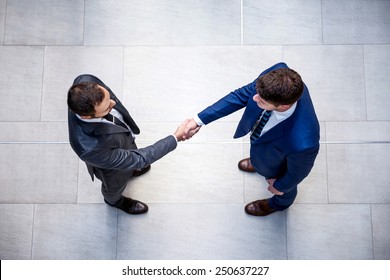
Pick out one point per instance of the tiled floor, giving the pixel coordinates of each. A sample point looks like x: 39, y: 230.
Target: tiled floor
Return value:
x: 167, y: 60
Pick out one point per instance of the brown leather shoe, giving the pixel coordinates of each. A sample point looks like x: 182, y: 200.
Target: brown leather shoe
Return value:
x: 259, y: 208
x: 141, y: 171
x: 245, y: 165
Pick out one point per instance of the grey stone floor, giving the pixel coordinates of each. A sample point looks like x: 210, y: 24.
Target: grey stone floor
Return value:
x: 167, y: 60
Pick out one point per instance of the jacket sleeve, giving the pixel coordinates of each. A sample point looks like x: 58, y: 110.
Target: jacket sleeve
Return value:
x: 122, y: 159
x: 235, y: 100
x: 299, y: 165
x: 232, y: 102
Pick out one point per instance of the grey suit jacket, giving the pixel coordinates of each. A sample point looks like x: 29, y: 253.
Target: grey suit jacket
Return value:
x: 111, y: 148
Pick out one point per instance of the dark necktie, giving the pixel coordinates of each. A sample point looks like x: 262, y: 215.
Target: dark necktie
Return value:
x: 257, y: 132
x: 116, y: 121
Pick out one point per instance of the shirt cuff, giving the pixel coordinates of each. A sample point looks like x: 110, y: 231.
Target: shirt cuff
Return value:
x: 175, y: 138
x: 198, y: 120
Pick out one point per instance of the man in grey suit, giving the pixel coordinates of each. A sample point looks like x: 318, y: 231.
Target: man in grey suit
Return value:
x: 101, y: 132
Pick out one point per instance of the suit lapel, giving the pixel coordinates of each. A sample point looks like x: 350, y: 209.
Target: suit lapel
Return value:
x: 250, y: 116
x: 106, y: 128
x: 274, y: 133
x: 279, y: 130
x: 126, y: 116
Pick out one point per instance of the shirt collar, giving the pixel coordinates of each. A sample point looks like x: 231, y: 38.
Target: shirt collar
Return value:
x: 97, y: 120
x: 286, y: 114
x: 93, y: 120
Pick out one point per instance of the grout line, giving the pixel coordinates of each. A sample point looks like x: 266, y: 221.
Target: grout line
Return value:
x: 372, y: 233
x: 78, y: 179
x: 5, y: 22
x: 117, y: 234
x: 322, y: 24
x: 243, y: 177
x: 42, y: 83
x: 327, y: 175
x: 364, y: 82
x: 32, y: 232
x: 123, y: 71
x: 325, y: 127
x: 83, y: 40
x: 285, y: 224
x: 242, y: 22
x: 206, y: 142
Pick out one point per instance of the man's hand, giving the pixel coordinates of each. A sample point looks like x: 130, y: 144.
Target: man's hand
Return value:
x: 181, y: 133
x: 271, y: 187
x: 191, y: 129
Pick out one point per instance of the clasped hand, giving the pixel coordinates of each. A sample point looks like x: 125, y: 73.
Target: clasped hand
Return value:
x: 186, y: 130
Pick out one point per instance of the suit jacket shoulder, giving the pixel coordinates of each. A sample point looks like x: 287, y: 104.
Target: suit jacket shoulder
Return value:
x: 119, y: 106
x: 87, y: 78
x: 236, y: 100
x: 302, y: 127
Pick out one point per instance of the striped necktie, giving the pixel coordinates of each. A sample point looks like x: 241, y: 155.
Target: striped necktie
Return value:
x: 257, y: 131
x: 116, y: 121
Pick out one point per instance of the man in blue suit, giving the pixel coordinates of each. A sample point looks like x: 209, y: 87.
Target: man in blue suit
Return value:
x: 284, y: 133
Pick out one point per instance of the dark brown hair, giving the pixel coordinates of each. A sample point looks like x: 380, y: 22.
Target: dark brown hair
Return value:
x: 280, y: 87
x: 83, y: 97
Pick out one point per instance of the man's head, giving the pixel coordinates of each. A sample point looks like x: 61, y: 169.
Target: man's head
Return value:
x: 89, y: 100
x: 278, y: 90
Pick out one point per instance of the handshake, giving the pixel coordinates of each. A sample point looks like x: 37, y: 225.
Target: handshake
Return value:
x: 186, y: 130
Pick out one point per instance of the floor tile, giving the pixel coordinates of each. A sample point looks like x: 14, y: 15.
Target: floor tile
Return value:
x: 255, y: 187
x: 167, y: 61
x: 343, y: 98
x: 154, y: 22
x: 358, y: 131
x: 74, y: 231
x: 24, y: 65
x: 104, y: 62
x: 377, y: 70
x: 381, y: 229
x: 188, y: 79
x: 359, y: 173
x: 38, y: 173
x: 193, y: 173
x: 201, y: 231
x: 219, y: 131
x: 322, y: 232
x: 16, y: 226
x: 314, y: 188
x: 297, y: 22
x: 43, y: 22
x: 34, y: 132
x: 356, y: 22
x: 88, y: 191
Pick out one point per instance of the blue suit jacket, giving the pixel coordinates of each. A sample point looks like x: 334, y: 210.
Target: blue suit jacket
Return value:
x: 285, y: 152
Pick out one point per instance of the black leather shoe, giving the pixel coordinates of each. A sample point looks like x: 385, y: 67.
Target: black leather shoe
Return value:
x: 141, y: 171
x: 259, y: 208
x: 130, y: 206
